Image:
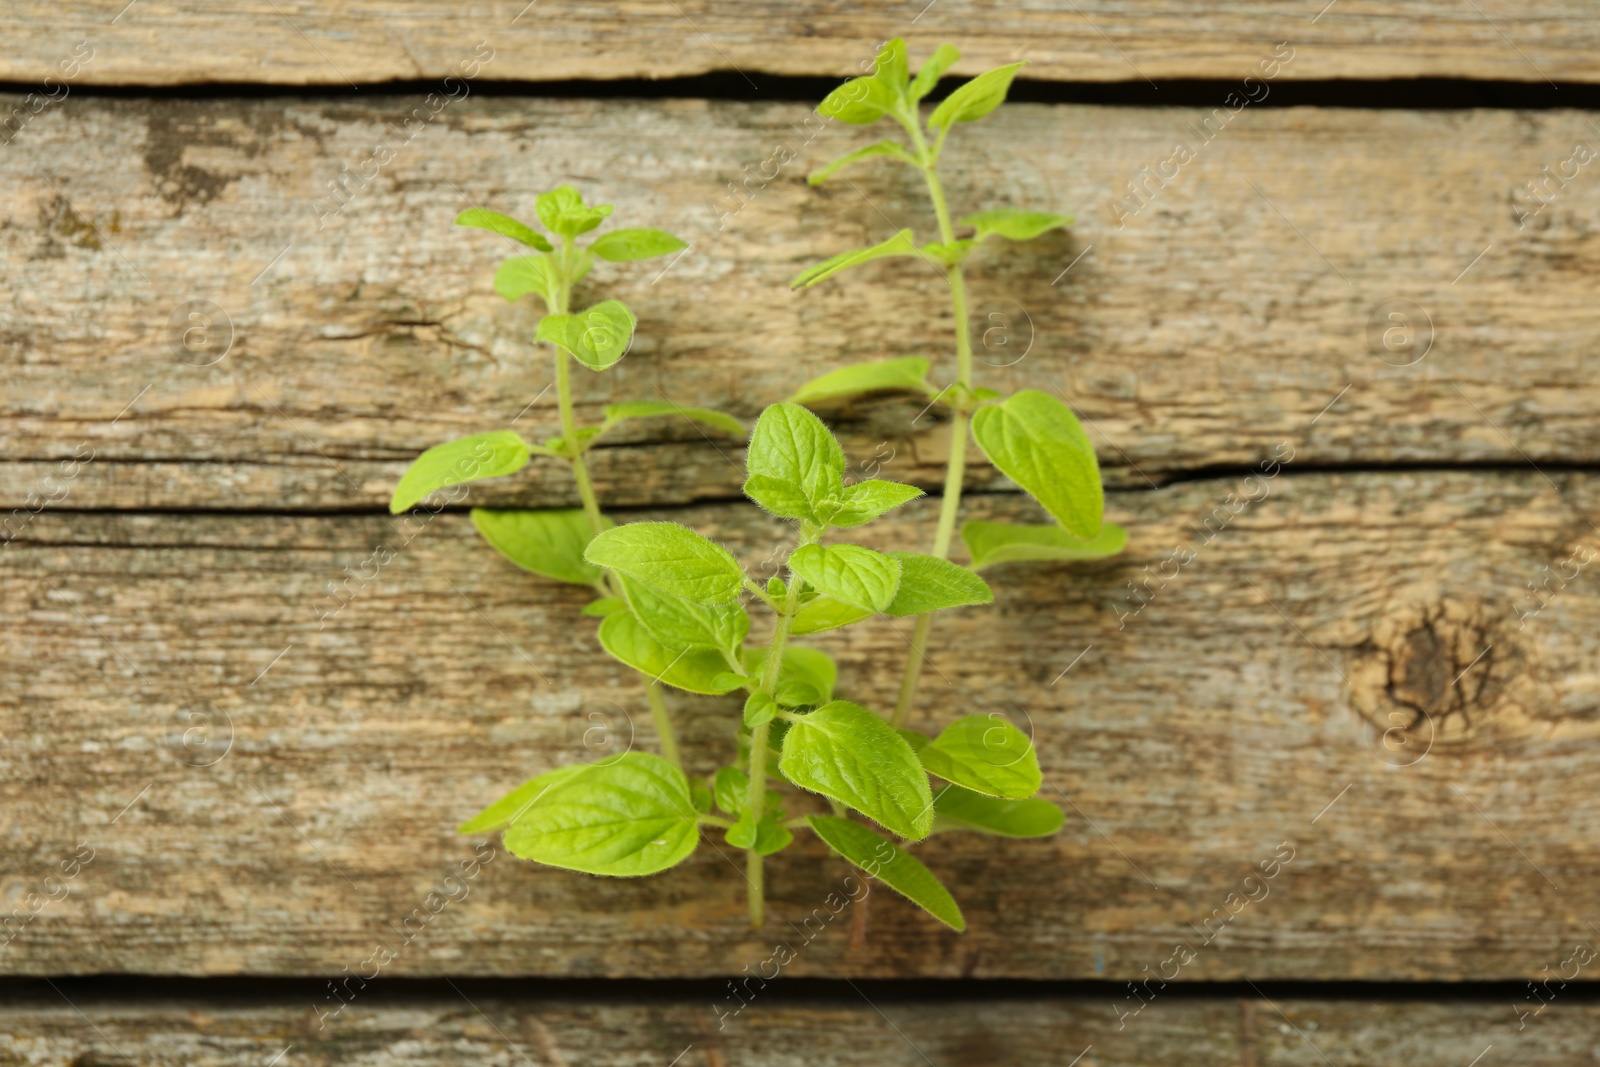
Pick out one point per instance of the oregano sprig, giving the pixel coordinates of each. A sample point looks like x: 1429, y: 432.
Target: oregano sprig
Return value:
x: 1031, y: 437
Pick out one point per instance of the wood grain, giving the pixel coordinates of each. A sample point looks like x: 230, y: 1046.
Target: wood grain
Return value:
x: 178, y: 42
x: 780, y: 1027
x: 1235, y: 312
x: 1340, y: 670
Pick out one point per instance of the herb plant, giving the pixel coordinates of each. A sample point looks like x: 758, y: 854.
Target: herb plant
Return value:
x: 1031, y: 437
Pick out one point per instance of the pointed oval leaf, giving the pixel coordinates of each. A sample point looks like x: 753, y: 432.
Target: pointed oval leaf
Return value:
x: 672, y: 558
x: 521, y: 275
x: 625, y: 246
x: 1036, y: 441
x: 943, y: 58
x: 693, y: 671
x: 844, y: 751
x: 810, y: 667
x: 859, y: 101
x: 1014, y: 224
x: 849, y: 573
x: 466, y: 459
x: 890, y: 65
x: 987, y: 755
x: 825, y: 613
x: 678, y: 623
x: 928, y: 583
x: 1003, y: 542
x: 864, y: 501
x: 600, y: 607
x: 792, y: 458
x: 548, y: 543
x: 976, y: 98
x: 511, y: 807
x: 759, y: 707
x: 892, y: 866
x: 483, y: 219
x: 645, y: 409
x: 625, y: 817
x: 901, y: 244
x: 880, y: 148
x: 955, y: 808
x: 906, y: 374
x: 563, y: 212
x: 597, y: 338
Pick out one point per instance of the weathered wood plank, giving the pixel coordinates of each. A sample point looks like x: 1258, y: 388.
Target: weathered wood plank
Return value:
x: 1204, y: 332
x: 366, y: 41
x: 1238, y: 715
x: 780, y: 1028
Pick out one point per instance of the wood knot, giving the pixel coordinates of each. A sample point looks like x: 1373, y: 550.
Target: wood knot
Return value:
x: 1440, y: 671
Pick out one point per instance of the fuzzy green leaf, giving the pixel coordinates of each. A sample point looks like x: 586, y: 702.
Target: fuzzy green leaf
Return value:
x: 597, y: 338
x: 1036, y: 441
x: 511, y: 807
x: 987, y: 755
x: 702, y: 671
x: 906, y: 374
x: 730, y: 789
x: 759, y: 707
x: 672, y: 558
x: 679, y: 624
x: 976, y: 98
x: 890, y: 65
x: 772, y: 836
x: 808, y: 667
x: 859, y: 101
x: 955, y: 808
x: 1014, y: 224
x: 928, y: 583
x: 849, y: 573
x: 825, y: 613
x: 892, y: 866
x: 548, y: 543
x: 466, y: 459
x: 521, y: 275
x: 600, y: 607
x: 944, y: 57
x: 1003, y: 542
x: 625, y: 817
x: 482, y: 219
x: 880, y: 148
x: 864, y: 501
x: 625, y: 246
x: 645, y: 409
x: 794, y: 461
x: 901, y: 244
x: 563, y: 212
x: 844, y: 751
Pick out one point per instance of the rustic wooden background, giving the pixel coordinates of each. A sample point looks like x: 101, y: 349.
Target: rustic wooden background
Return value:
x: 1354, y: 666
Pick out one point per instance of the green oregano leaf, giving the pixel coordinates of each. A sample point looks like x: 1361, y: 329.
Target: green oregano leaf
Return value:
x: 943, y: 58
x: 864, y: 501
x: 521, y: 275
x: 859, y: 101
x: 987, y: 755
x: 1036, y: 441
x: 521, y: 232
x: 976, y: 98
x: 880, y: 148
x: 849, y: 573
x: 906, y: 374
x: 928, y: 583
x: 825, y: 613
x: 901, y: 244
x: 731, y: 791
x: 623, y: 817
x: 624, y: 246
x: 466, y: 459
x: 679, y: 623
x: 844, y: 751
x: 645, y: 409
x: 1014, y: 224
x: 547, y: 542
x: 892, y: 866
x: 700, y: 796
x: 672, y: 558
x: 890, y: 65
x: 511, y: 807
x: 563, y: 212
x: 810, y: 667
x: 692, y: 670
x: 597, y: 338
x: 602, y: 606
x: 1002, y: 542
x: 759, y: 708
x: 794, y: 462
x: 955, y: 808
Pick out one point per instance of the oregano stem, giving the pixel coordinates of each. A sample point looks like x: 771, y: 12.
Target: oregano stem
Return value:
x: 658, y: 713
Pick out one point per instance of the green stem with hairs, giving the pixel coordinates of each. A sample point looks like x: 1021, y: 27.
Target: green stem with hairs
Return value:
x: 955, y: 464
